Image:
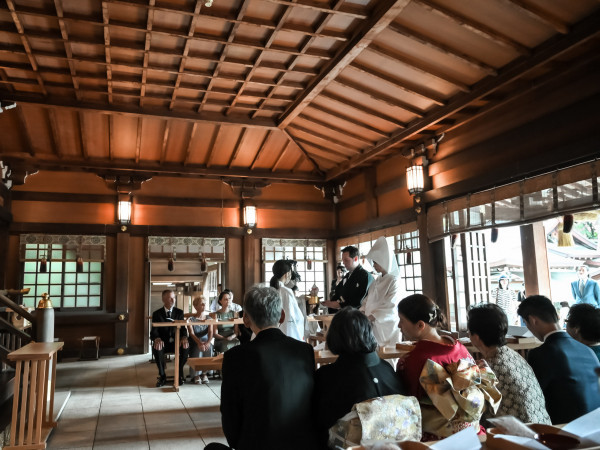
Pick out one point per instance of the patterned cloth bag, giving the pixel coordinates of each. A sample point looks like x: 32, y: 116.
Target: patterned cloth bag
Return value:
x: 457, y: 395
x: 392, y: 418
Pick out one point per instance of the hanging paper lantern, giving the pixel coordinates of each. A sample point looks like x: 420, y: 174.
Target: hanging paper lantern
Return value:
x: 79, y: 264
x: 408, y: 258
x: 309, y: 264
x: 170, y: 265
x: 43, y: 265
x: 203, y: 267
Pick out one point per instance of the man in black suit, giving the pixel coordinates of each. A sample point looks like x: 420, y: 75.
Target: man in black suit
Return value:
x: 163, y: 338
x: 267, y: 383
x: 355, y: 284
x: 563, y: 366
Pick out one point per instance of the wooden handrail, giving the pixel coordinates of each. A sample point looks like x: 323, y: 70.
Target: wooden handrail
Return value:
x: 33, y: 398
x: 16, y: 308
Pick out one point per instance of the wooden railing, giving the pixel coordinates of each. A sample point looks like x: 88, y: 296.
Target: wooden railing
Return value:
x: 33, y: 400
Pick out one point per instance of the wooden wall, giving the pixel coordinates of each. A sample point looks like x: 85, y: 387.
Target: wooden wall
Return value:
x: 82, y: 203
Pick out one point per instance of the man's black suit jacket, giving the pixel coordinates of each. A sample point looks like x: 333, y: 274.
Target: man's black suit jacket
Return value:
x: 565, y: 369
x: 266, y: 394
x: 353, y: 291
x: 166, y: 333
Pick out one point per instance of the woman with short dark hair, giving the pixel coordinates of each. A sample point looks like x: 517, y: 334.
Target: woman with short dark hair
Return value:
x: 357, y: 375
x: 522, y: 395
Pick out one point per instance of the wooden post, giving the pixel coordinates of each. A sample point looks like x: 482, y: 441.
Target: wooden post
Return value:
x: 122, y: 289
x: 535, y: 260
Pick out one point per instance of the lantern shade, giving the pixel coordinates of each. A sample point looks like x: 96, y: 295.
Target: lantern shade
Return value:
x: 124, y: 208
x: 249, y: 215
x: 414, y: 179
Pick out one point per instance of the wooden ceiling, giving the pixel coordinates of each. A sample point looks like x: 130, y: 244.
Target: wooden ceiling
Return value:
x: 291, y: 90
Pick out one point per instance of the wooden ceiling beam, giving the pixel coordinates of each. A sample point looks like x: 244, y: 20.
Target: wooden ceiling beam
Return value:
x: 54, y: 133
x: 403, y: 85
x: 230, y: 38
x: 186, y: 50
x: 238, y: 146
x: 165, y: 141
x: 147, y: 44
x: 67, y: 46
x: 25, y: 43
x: 24, y: 132
x: 106, y: 31
x: 342, y: 131
x: 329, y: 151
x: 138, y: 139
x: 215, y: 15
x: 82, y: 134
x: 322, y: 152
x: 443, y: 48
x: 261, y: 149
x: 328, y: 139
x: 304, y: 152
x: 304, y: 48
x: 256, y: 45
x: 539, y: 15
x: 280, y: 21
x: 382, y: 16
x: 475, y: 27
x: 378, y: 96
x: 190, y: 140
x: 347, y: 11
x: 281, y: 155
x: 585, y: 30
x: 213, y: 145
x: 418, y: 66
x: 133, y: 110
x: 347, y: 118
x: 363, y: 109
x: 111, y: 136
x: 167, y: 169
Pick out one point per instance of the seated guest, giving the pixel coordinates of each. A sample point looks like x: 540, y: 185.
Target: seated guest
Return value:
x: 583, y: 324
x: 420, y: 318
x: 563, y: 366
x: 268, y: 382
x: 358, y: 374
x: 201, y: 337
x: 522, y: 396
x: 429, y: 364
x: 226, y: 335
x: 163, y: 338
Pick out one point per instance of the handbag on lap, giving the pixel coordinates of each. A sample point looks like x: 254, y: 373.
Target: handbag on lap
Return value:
x: 393, y: 418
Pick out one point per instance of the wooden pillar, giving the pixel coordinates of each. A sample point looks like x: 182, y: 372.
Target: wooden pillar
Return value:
x: 535, y: 260
x: 249, y: 258
x: 428, y: 251
x: 122, y: 290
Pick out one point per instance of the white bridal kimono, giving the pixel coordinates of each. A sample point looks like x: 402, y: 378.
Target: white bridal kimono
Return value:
x: 293, y: 324
x: 384, y: 294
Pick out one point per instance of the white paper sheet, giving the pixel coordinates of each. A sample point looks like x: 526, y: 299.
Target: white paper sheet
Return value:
x: 463, y: 440
x: 525, y: 442
x: 586, y: 427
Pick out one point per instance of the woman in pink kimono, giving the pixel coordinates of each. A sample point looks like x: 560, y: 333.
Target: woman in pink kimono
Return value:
x: 384, y: 294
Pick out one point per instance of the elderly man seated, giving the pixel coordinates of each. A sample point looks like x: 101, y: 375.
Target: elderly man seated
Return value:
x: 163, y: 338
x: 564, y: 367
x: 267, y: 383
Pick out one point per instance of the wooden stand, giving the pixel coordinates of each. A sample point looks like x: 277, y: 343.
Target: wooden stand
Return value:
x: 33, y: 401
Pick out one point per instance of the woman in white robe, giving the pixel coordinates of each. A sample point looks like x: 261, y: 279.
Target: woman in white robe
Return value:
x: 293, y: 324
x: 384, y: 294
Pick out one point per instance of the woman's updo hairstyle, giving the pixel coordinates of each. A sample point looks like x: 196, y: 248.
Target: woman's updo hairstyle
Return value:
x: 420, y: 307
x: 280, y: 268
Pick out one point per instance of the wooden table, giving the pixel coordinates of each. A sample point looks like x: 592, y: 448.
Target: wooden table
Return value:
x: 179, y: 324
x: 33, y: 398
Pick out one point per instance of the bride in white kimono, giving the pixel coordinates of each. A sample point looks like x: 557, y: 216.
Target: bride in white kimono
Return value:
x: 381, y: 303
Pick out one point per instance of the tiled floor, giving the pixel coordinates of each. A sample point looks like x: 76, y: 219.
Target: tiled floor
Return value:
x: 114, y: 404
